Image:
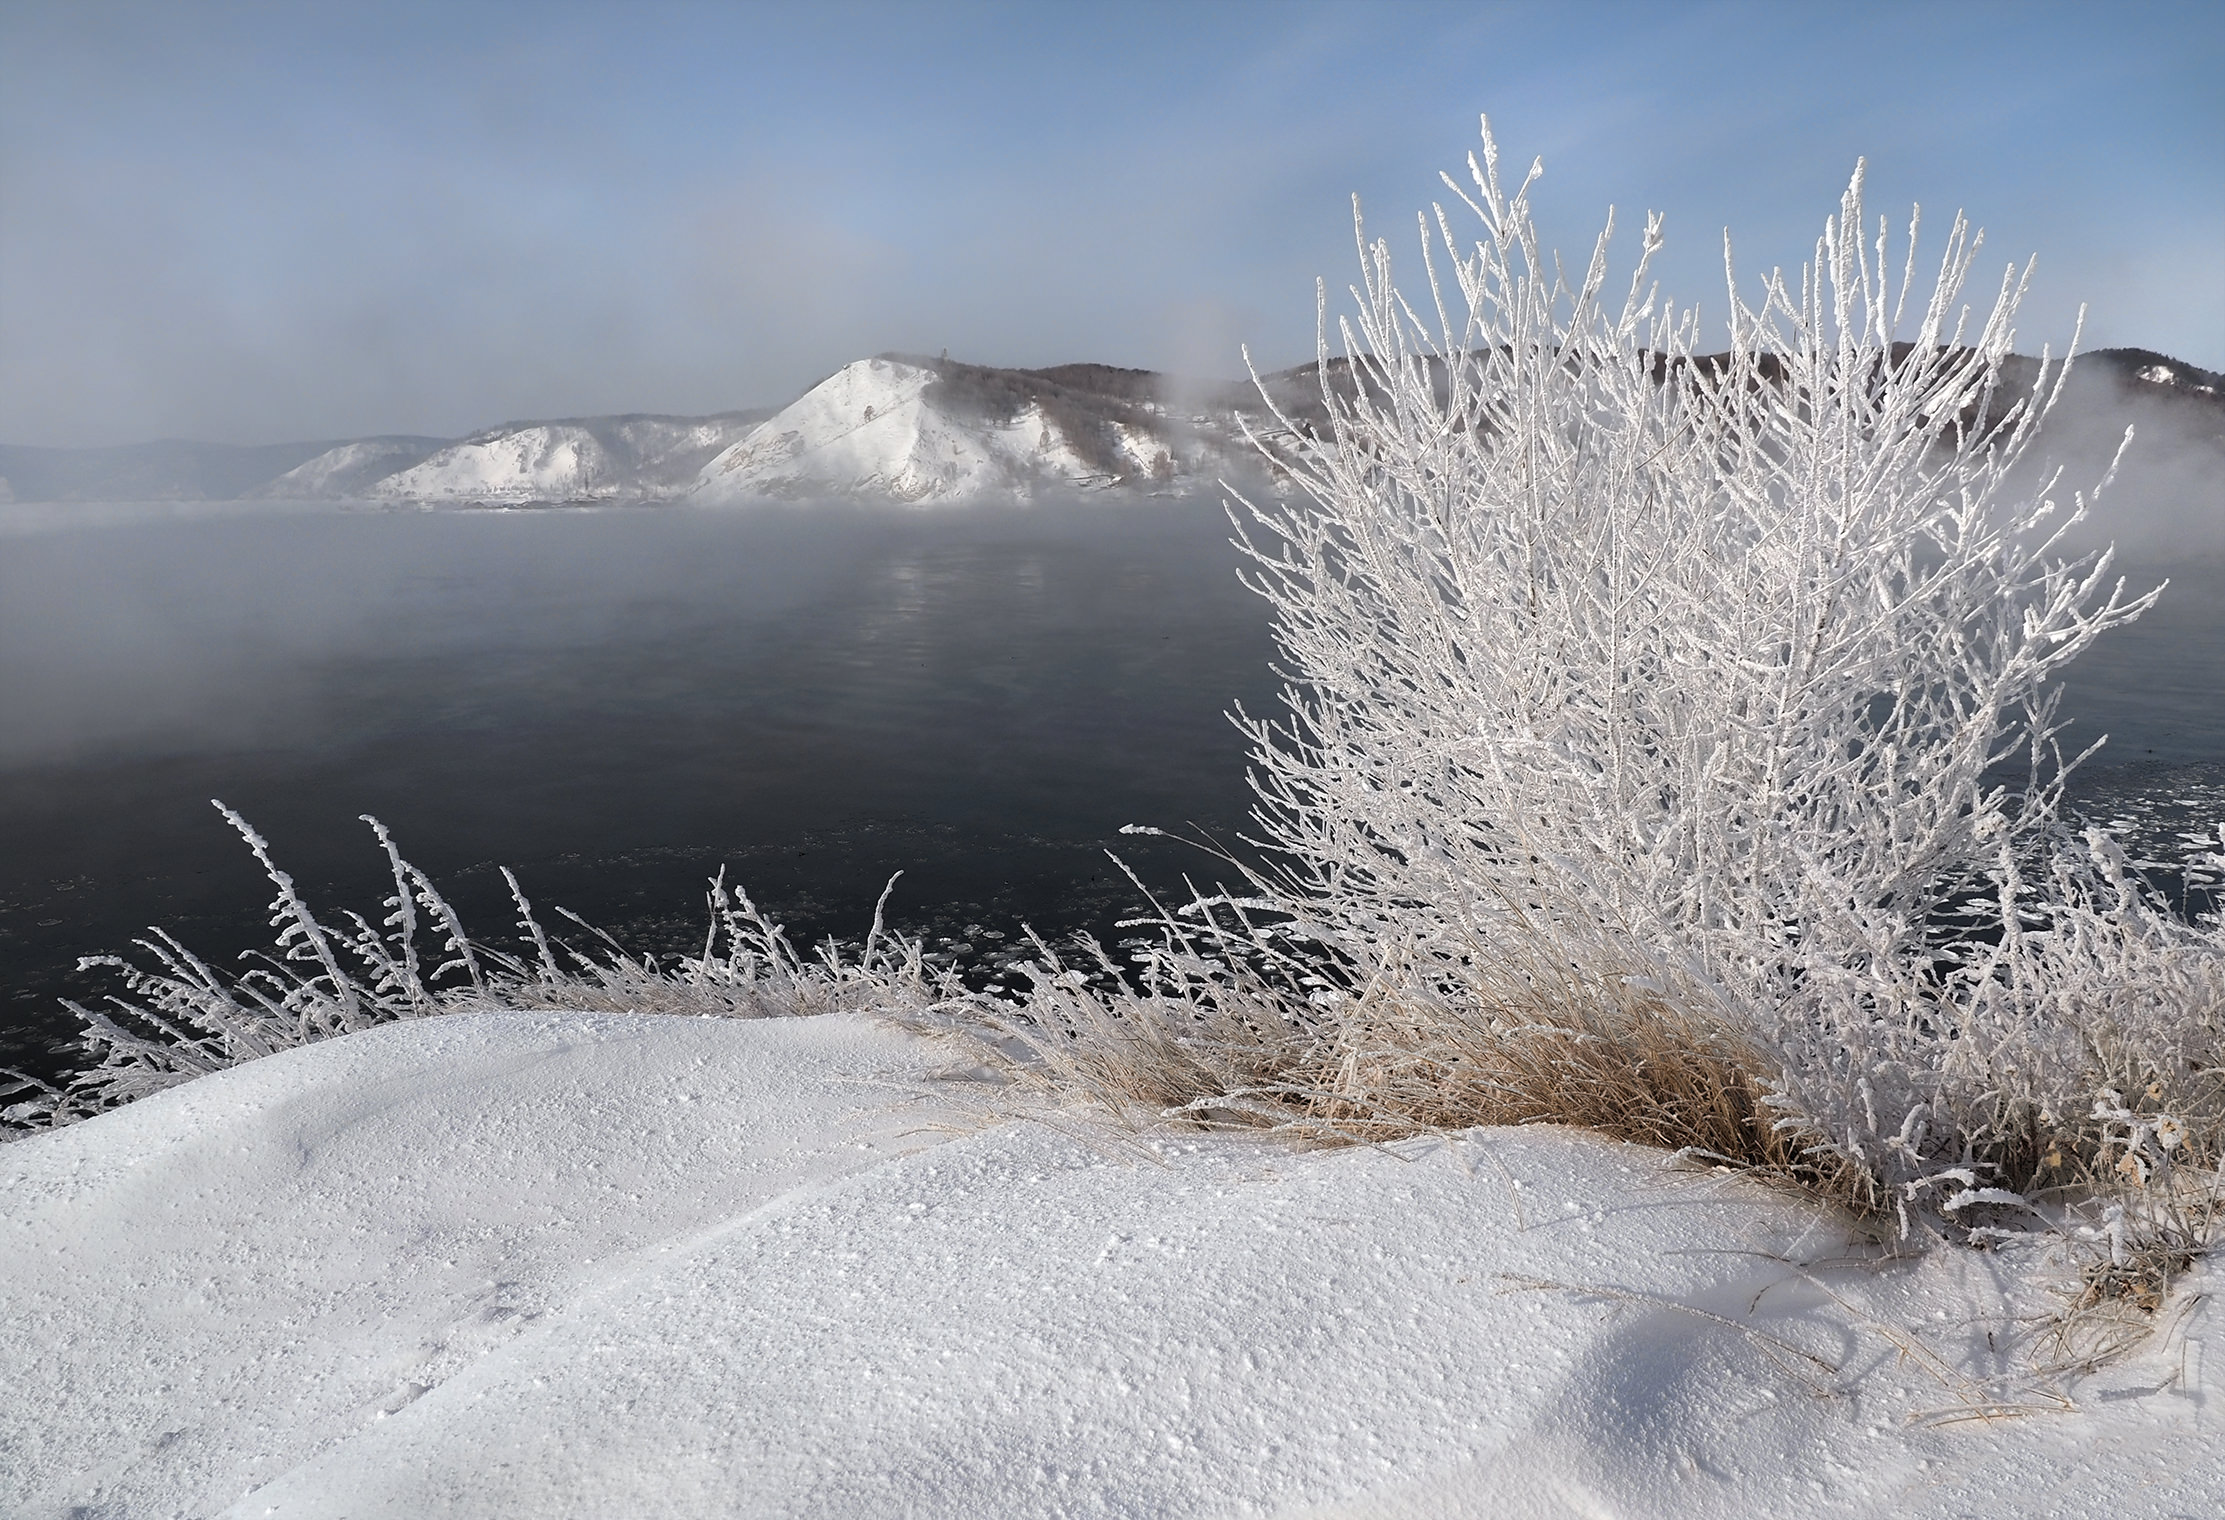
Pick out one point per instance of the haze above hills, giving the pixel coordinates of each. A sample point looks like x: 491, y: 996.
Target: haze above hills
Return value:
x: 894, y: 427
x: 922, y: 430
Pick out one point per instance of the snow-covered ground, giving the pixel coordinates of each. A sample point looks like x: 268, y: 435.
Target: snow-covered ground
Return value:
x: 566, y: 1265
x: 635, y: 457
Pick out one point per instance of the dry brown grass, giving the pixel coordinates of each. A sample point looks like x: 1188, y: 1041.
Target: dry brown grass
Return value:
x: 1220, y: 1039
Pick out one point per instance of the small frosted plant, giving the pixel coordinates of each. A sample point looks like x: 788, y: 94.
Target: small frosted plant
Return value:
x: 179, y: 1018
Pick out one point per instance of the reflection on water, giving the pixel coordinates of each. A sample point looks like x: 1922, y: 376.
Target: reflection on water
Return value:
x: 618, y: 703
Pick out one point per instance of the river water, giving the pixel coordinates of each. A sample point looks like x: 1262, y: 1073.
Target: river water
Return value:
x: 618, y: 702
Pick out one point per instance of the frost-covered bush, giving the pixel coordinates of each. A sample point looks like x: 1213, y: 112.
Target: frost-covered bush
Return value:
x: 1714, y: 688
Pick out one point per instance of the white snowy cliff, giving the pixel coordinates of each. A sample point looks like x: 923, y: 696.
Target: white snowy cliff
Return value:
x: 924, y: 430
x: 897, y: 429
x: 591, y: 459
x: 551, y: 462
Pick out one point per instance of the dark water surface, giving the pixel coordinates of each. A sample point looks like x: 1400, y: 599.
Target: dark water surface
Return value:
x: 616, y: 703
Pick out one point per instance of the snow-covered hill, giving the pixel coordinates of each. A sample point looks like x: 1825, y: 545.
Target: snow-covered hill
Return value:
x: 920, y: 430
x: 551, y: 462
x: 347, y: 472
x: 585, y: 459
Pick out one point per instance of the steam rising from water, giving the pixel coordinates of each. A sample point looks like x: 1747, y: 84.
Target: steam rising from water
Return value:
x: 2167, y: 502
x: 235, y: 629
x: 618, y: 703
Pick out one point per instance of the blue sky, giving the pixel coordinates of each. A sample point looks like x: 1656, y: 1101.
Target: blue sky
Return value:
x: 253, y: 223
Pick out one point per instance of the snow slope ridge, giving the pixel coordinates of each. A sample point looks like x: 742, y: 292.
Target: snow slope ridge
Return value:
x: 629, y: 458
x: 548, y: 462
x: 994, y: 430
x: 349, y: 471
x: 557, y: 1265
x: 921, y: 431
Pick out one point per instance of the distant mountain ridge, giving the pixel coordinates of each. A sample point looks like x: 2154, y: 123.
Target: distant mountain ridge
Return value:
x: 896, y: 427
x: 910, y: 429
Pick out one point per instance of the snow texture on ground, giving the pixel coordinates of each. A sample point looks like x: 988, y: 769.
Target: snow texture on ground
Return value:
x: 568, y: 1265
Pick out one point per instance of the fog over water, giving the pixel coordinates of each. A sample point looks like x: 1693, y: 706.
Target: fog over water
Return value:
x: 616, y: 703
x: 619, y: 702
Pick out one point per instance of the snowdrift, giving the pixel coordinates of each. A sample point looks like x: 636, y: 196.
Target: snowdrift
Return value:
x: 554, y: 1264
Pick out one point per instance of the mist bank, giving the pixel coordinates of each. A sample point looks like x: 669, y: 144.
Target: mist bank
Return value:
x: 920, y: 430
x: 894, y: 427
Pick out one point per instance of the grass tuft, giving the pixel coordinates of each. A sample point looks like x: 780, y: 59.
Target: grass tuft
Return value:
x: 178, y: 1018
